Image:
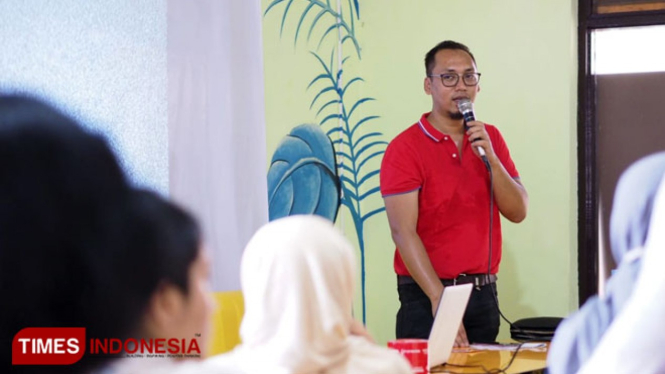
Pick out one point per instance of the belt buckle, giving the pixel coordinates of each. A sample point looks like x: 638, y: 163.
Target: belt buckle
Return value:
x: 458, y: 276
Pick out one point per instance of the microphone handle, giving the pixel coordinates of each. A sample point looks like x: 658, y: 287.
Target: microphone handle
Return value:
x: 468, y: 117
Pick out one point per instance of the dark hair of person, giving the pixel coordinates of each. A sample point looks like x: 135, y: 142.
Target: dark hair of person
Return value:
x: 79, y: 247
x: 430, y: 60
x: 163, y: 240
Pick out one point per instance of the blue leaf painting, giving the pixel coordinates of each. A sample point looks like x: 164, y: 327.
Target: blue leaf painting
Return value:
x: 302, y: 178
x: 306, y: 175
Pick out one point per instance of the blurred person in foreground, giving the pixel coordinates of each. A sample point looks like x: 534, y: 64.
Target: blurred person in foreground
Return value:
x: 59, y: 189
x: 79, y: 247
x: 578, y: 335
x: 297, y: 277
x: 634, y: 342
x: 171, y: 296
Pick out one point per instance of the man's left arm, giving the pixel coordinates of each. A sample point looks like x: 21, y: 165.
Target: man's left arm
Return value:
x: 509, y: 193
x: 511, y: 197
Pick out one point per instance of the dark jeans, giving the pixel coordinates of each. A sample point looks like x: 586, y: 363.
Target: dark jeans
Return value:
x: 481, y: 318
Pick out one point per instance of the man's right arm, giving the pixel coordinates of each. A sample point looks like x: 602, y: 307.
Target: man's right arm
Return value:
x: 402, y: 211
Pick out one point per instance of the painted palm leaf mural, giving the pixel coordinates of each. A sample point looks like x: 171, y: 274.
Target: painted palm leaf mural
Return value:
x: 302, y: 178
x: 325, y: 12
x: 341, y: 113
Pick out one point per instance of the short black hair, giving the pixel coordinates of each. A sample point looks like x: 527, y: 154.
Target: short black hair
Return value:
x: 446, y: 44
x: 161, y: 242
x: 79, y: 247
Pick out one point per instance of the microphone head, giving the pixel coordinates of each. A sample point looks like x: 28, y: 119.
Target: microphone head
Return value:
x: 465, y: 106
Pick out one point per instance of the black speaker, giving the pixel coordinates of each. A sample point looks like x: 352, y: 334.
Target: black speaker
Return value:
x: 537, y: 328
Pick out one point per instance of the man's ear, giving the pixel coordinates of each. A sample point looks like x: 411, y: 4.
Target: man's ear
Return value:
x: 164, y: 310
x: 427, y: 85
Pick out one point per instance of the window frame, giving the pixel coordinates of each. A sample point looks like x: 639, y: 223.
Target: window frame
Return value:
x: 587, y: 129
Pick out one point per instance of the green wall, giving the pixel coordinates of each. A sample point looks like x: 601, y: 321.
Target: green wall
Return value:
x: 526, y: 51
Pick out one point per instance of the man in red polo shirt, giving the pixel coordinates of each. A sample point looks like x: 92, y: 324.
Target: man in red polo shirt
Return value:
x: 436, y: 190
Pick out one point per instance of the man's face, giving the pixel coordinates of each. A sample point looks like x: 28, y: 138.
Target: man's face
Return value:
x: 444, y: 99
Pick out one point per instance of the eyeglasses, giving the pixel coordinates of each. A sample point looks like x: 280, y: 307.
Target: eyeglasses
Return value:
x: 451, y: 79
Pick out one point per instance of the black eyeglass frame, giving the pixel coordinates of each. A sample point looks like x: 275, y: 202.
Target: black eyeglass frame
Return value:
x: 457, y: 76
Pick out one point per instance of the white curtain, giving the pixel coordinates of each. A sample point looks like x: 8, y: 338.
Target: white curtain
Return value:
x: 217, y: 147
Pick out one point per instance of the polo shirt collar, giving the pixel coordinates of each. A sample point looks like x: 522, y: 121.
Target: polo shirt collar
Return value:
x: 428, y: 129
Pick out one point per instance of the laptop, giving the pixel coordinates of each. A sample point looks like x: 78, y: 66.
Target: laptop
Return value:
x: 446, y: 323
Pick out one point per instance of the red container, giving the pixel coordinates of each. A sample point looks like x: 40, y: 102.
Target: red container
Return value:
x: 415, y: 351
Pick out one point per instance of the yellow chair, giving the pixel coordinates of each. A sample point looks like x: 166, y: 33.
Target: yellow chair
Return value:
x: 226, y: 320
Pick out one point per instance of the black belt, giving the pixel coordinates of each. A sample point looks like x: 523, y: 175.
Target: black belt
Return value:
x: 477, y: 280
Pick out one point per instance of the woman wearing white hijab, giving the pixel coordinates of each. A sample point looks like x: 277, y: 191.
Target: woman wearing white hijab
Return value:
x: 635, y: 341
x: 297, y: 277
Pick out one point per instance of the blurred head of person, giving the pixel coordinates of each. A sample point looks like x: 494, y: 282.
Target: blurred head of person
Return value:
x: 633, y: 204
x: 169, y: 274
x: 79, y: 247
x: 297, y: 277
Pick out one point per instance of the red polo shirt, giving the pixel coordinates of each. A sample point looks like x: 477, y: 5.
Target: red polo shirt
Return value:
x: 453, y: 197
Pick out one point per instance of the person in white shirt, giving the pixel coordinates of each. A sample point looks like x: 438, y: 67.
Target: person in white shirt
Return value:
x: 578, y: 335
x: 634, y: 343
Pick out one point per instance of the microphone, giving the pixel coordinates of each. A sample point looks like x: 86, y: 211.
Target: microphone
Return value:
x: 465, y: 106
